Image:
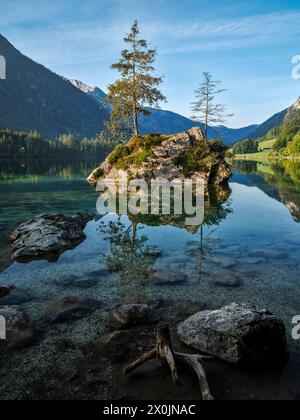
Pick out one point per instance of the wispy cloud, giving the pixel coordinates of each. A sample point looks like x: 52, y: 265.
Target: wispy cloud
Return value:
x: 286, y: 23
x: 233, y: 33
x: 18, y: 12
x: 97, y: 40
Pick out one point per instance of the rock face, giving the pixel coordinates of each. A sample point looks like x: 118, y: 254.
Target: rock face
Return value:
x: 13, y: 296
x: 128, y: 315
x: 70, y: 309
x: 19, y: 330
x: 48, y: 236
x: 160, y: 165
x: 240, y: 334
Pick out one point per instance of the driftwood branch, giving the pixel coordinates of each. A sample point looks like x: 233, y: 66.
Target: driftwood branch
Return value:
x: 164, y: 352
x: 140, y: 361
x: 195, y: 362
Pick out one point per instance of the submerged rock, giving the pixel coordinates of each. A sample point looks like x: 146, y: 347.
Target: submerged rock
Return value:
x: 228, y: 279
x: 13, y: 296
x: 122, y: 346
x: 223, y: 261
x: 70, y: 309
x: 272, y: 254
x: 163, y: 277
x: 117, y: 346
x: 48, y: 235
x: 241, y: 334
x: 128, y: 315
x: 251, y: 261
x: 19, y: 330
x: 99, y: 274
x: 76, y: 282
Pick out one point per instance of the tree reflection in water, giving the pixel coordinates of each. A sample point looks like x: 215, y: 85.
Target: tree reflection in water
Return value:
x: 133, y: 258
x: 130, y: 255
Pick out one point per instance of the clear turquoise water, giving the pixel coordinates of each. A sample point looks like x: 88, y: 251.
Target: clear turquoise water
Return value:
x: 263, y: 222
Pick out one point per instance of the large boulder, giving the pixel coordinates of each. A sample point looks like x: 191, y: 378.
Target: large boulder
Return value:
x: 19, y: 330
x: 70, y: 308
x: 48, y: 235
x: 241, y: 334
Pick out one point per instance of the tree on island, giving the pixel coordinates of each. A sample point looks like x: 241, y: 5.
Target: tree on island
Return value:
x: 204, y: 109
x: 137, y: 88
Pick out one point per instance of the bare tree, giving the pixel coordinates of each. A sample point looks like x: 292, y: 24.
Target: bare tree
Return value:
x: 204, y: 109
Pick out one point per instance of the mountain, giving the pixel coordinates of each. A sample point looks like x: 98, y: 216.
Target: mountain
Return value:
x: 275, y: 121
x: 272, y: 125
x: 34, y: 98
x: 280, y: 134
x: 268, y: 125
x: 295, y: 108
x: 236, y: 134
x: 94, y: 92
x: 168, y: 122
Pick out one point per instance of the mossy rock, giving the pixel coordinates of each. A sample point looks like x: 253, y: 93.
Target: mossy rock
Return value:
x: 136, y: 152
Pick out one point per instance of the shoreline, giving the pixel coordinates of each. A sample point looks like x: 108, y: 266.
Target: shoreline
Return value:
x: 266, y: 157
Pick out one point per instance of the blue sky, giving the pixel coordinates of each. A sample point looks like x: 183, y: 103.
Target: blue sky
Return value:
x: 247, y: 45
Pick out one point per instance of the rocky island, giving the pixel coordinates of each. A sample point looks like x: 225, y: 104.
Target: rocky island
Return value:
x: 170, y: 157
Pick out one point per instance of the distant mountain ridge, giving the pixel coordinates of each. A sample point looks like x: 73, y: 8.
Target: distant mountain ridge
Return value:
x: 268, y: 125
x: 94, y: 92
x: 34, y: 98
x: 168, y: 122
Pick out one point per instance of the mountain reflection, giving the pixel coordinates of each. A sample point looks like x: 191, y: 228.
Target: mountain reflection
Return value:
x: 279, y: 180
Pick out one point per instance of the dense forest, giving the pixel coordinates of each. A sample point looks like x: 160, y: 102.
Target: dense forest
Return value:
x: 284, y: 139
x: 288, y: 139
x: 245, y: 146
x: 34, y: 98
x: 33, y: 145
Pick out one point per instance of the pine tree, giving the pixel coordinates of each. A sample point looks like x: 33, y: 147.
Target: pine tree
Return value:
x: 204, y: 109
x: 137, y: 88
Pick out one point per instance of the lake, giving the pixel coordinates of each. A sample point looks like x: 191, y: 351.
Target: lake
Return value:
x: 247, y: 251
